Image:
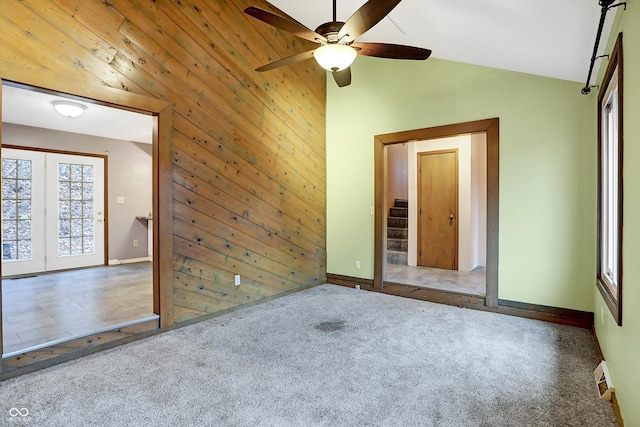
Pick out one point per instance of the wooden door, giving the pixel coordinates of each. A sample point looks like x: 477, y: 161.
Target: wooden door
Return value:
x: 438, y: 209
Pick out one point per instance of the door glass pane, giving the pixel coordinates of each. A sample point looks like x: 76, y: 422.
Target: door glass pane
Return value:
x: 16, y: 209
x: 75, y: 190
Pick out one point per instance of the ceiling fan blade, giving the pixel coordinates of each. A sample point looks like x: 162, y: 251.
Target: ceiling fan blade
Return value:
x: 392, y: 51
x: 365, y: 18
x: 342, y: 78
x: 286, y: 24
x: 289, y: 60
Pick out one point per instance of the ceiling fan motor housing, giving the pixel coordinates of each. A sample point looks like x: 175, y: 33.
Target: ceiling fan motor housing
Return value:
x: 330, y: 30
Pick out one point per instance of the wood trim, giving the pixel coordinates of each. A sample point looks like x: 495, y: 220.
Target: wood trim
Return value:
x: 491, y: 127
x: 434, y: 295
x: 614, y: 399
x: 492, y: 133
x: 380, y: 227
x: 105, y: 165
x: 53, y: 151
x: 616, y: 410
x: 615, y: 64
x: 582, y: 319
x: 348, y: 281
x: 163, y: 211
x: 512, y: 308
x: 1, y: 338
x: 73, y: 349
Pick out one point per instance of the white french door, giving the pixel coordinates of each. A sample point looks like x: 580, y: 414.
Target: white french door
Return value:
x: 52, y: 211
x: 23, y: 202
x: 75, y: 231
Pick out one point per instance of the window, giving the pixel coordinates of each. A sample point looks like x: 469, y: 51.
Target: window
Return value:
x: 610, y: 145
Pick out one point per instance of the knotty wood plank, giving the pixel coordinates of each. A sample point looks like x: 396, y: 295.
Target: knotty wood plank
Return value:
x: 193, y: 288
x: 55, y: 49
x: 279, y: 239
x: 237, y: 55
x: 233, y: 247
x: 282, y: 44
x: 279, y: 256
x: 183, y: 314
x: 231, y: 259
x: 264, y: 155
x: 51, y: 13
x: 215, y: 88
x: 204, y: 194
x: 234, y: 52
x: 223, y: 161
x: 202, y: 163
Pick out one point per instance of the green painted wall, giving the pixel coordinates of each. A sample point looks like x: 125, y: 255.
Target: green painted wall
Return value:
x: 547, y: 167
x: 621, y: 345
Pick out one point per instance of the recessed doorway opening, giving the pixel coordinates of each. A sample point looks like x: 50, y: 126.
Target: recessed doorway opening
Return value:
x: 436, y: 224
x: 77, y: 235
x: 467, y: 155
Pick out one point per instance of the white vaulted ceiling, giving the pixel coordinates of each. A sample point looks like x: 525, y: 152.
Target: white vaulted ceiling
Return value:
x: 552, y: 38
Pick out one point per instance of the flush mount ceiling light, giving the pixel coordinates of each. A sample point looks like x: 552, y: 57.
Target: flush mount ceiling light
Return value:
x: 68, y: 108
x: 335, y: 57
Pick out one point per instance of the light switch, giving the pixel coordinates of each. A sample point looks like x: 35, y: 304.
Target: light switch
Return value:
x: 119, y: 200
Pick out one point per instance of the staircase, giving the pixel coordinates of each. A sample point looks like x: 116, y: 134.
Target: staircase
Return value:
x: 398, y: 232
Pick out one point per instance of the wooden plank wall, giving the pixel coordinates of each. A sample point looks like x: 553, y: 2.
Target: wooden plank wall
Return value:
x: 248, y: 148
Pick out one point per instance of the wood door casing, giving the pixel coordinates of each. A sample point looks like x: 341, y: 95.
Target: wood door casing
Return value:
x: 438, y: 209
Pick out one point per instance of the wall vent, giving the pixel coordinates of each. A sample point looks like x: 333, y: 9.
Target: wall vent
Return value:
x: 603, y: 381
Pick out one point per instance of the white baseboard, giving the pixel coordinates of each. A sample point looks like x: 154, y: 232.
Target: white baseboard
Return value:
x: 130, y: 260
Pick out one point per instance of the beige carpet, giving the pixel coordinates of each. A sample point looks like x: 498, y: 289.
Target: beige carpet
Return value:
x: 328, y: 356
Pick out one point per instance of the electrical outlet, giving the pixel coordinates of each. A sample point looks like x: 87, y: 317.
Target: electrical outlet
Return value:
x: 357, y: 265
x: 135, y: 242
x: 237, y: 280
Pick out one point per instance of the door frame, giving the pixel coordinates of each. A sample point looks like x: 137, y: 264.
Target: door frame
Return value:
x: 105, y: 201
x: 162, y: 112
x: 453, y: 151
x: 491, y: 127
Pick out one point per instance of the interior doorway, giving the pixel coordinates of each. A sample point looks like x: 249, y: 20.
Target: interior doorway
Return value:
x: 446, y: 231
x: 62, y: 225
x: 476, y: 249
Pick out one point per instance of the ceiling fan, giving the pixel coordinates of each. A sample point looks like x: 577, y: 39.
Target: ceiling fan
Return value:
x: 338, y: 47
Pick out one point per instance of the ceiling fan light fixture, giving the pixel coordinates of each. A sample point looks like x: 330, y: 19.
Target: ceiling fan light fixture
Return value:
x: 69, y: 109
x: 335, y: 57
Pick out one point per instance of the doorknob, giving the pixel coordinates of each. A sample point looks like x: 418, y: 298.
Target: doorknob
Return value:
x: 451, y: 217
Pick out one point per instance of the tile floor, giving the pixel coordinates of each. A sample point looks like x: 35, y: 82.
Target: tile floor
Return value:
x: 473, y: 282
x: 54, y: 306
